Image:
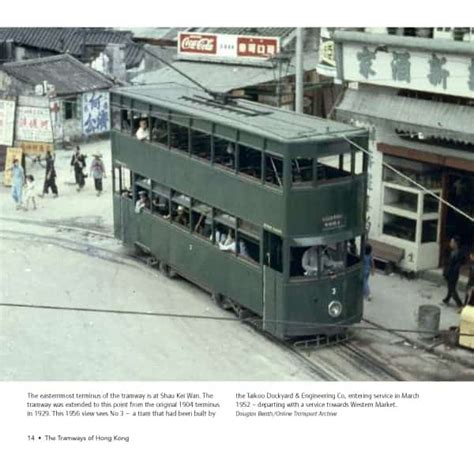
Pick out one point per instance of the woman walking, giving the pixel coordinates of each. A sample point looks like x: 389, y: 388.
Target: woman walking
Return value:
x: 98, y: 172
x: 78, y: 162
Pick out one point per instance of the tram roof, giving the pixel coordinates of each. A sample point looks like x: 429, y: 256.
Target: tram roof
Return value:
x: 255, y: 118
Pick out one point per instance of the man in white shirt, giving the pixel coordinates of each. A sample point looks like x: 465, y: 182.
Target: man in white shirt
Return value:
x: 143, y: 133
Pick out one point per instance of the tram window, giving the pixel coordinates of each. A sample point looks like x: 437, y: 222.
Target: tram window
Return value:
x: 140, y: 183
x: 179, y: 137
x: 302, y: 171
x: 224, y: 152
x: 248, y: 241
x: 334, y: 167
x: 201, y: 145
x: 180, y: 209
x: 201, y: 220
x: 139, y: 123
x: 117, y: 118
x: 318, y: 260
x: 273, y: 251
x: 250, y: 161
x: 273, y: 170
x: 159, y: 131
x: 225, y: 237
x: 125, y: 121
x: 160, y: 204
x: 126, y: 182
x: 116, y: 180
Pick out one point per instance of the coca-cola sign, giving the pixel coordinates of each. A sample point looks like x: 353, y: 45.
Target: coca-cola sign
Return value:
x: 197, y: 44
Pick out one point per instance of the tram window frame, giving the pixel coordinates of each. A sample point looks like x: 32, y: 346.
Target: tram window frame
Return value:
x: 273, y: 251
x: 116, y: 117
x: 201, y: 217
x: 198, y: 135
x: 162, y: 193
x: 122, y: 174
x: 220, y: 154
x: 177, y: 140
x: 302, y: 171
x: 178, y: 200
x: 125, y: 121
x: 249, y: 235
x: 154, y: 128
x: 245, y: 163
x: 327, y: 173
x: 270, y: 176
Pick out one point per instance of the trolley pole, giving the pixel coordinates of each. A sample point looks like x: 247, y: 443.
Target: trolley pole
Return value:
x: 299, y: 71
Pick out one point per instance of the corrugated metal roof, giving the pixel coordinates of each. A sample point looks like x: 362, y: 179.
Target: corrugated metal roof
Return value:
x: 68, y: 75
x: 59, y: 39
x: 443, y: 120
x: 252, y: 31
x: 277, y: 124
x: 222, y: 77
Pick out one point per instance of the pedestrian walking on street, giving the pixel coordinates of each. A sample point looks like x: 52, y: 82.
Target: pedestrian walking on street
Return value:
x: 18, y: 180
x: 469, y: 300
x: 50, y: 176
x: 451, y: 273
x: 30, y: 192
x: 369, y: 269
x: 98, y: 172
x: 78, y: 162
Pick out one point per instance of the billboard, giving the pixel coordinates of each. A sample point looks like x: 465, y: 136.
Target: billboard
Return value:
x: 33, y: 124
x: 220, y: 46
x: 95, y: 112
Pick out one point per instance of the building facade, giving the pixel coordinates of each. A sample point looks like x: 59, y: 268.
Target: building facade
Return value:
x: 415, y: 91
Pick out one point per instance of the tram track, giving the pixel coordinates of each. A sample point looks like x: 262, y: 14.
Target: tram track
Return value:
x: 344, y: 358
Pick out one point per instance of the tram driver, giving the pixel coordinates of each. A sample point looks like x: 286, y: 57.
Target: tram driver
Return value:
x: 329, y: 261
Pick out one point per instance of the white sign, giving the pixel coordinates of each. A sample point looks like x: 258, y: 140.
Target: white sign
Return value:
x: 7, y: 117
x: 33, y: 124
x: 397, y: 67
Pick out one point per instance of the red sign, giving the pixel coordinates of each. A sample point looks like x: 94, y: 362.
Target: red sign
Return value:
x: 256, y: 47
x: 198, y: 44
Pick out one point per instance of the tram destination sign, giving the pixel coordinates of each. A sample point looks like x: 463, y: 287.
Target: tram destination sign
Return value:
x: 332, y: 222
x: 221, y: 46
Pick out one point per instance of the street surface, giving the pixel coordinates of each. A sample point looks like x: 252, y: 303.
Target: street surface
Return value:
x: 111, y: 317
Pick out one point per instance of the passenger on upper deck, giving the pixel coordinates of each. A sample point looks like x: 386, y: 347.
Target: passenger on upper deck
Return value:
x: 143, y: 133
x: 181, y: 217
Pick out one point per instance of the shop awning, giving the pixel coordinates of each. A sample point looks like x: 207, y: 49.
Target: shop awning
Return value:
x: 436, y: 119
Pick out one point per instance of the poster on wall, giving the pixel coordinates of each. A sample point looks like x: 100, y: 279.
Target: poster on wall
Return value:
x: 33, y: 124
x: 95, y: 113
x: 35, y: 148
x: 7, y: 122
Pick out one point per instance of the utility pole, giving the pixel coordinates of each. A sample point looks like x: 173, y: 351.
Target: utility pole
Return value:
x: 299, y: 71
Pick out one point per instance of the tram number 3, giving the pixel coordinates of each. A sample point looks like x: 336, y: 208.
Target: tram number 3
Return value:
x: 333, y: 291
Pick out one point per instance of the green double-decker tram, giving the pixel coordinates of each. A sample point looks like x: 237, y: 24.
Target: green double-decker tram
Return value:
x: 262, y: 207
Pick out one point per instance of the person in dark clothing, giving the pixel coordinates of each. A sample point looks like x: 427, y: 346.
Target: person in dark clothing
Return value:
x: 469, y: 300
x: 451, y: 273
x: 50, y: 176
x: 78, y: 161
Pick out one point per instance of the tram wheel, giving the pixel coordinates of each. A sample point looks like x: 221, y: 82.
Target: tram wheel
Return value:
x: 166, y: 270
x: 240, y: 311
x: 221, y: 301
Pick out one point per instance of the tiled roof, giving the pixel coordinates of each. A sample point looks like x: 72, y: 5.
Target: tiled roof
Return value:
x: 67, y: 74
x: 71, y: 40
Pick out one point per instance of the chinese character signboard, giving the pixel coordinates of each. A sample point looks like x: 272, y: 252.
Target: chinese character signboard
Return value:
x: 95, y: 113
x: 34, y: 148
x: 333, y: 222
x: 7, y: 116
x: 219, y: 46
x: 405, y: 68
x: 33, y: 124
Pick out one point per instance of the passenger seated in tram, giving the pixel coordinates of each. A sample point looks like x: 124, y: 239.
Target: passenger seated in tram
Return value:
x: 181, y: 216
x: 229, y: 244
x: 160, y: 205
x: 143, y: 202
x: 143, y: 133
x: 127, y: 193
